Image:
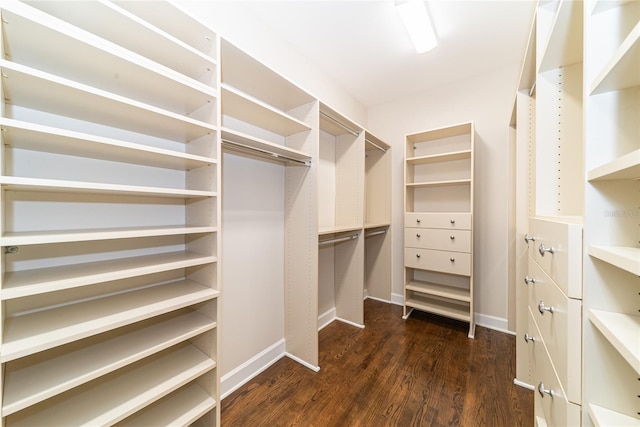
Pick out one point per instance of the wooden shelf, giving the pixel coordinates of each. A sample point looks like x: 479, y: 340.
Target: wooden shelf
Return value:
x: 603, y: 417
x: 262, y: 145
x: 564, y: 45
x: 251, y: 110
x: 622, y: 331
x: 62, y: 236
x: 38, y: 90
x: 438, y: 158
x: 371, y: 225
x: 124, y: 393
x: 439, y: 183
x: 20, y: 284
x: 440, y: 133
x: 439, y: 290
x: 442, y: 308
x: 42, y: 330
x: 623, y: 70
x: 240, y: 71
x: 31, y: 383
x: 32, y: 136
x: 180, y: 408
x: 624, y: 167
x: 331, y: 229
x: 12, y: 183
x: 114, y: 23
x: 625, y: 258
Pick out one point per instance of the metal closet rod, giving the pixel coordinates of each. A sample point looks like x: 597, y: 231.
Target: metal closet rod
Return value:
x: 376, y: 145
x: 338, y: 239
x: 375, y: 233
x: 265, y: 152
x: 339, y: 123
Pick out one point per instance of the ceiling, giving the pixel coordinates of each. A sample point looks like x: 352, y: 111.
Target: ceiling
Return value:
x: 363, y: 47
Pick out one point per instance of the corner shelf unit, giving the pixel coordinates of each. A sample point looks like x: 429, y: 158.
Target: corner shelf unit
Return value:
x: 439, y: 172
x: 110, y: 216
x: 612, y: 262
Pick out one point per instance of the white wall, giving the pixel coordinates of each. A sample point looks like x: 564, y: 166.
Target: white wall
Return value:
x: 487, y: 100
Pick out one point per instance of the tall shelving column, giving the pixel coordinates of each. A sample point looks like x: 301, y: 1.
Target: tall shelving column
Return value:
x: 438, y: 255
x: 612, y: 236
x: 109, y: 280
x: 265, y: 114
x: 377, y: 218
x: 341, y: 214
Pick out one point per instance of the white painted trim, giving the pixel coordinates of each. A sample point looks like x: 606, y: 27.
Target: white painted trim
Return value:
x: 302, y: 362
x: 233, y: 380
x: 397, y: 299
x: 499, y: 324
x: 348, y: 322
x: 379, y: 299
x: 523, y: 384
x: 326, y: 318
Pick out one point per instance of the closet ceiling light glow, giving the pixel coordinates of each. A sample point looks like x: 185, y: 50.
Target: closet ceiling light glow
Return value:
x: 418, y: 24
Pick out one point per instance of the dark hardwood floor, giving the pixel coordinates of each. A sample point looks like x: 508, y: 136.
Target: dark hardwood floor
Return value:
x: 420, y: 372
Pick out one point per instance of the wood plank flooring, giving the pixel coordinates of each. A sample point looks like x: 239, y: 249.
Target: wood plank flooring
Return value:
x: 420, y: 372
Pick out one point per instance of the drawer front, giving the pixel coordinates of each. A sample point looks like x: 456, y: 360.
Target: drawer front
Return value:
x: 559, y: 320
x: 439, y: 239
x: 558, y: 249
x: 557, y: 410
x: 449, y: 221
x: 444, y: 261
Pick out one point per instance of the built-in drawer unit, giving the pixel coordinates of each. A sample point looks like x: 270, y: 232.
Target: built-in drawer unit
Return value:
x: 557, y: 247
x: 448, y: 221
x: 444, y: 261
x: 559, y: 321
x: 439, y: 239
x: 550, y: 400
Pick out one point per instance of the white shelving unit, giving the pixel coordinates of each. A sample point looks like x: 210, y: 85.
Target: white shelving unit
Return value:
x: 612, y: 264
x: 439, y: 173
x: 110, y: 215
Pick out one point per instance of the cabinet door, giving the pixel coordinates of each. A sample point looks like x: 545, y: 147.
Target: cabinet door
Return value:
x: 449, y: 221
x: 439, y: 239
x: 444, y: 261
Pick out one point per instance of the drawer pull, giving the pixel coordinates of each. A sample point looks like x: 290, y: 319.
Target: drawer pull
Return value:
x: 453, y: 221
x: 542, y: 308
x: 418, y: 220
x: 418, y: 235
x: 417, y: 255
x: 528, y: 239
x: 529, y: 338
x: 544, y: 391
x: 528, y: 280
x: 452, y: 237
x: 542, y: 249
x: 452, y: 259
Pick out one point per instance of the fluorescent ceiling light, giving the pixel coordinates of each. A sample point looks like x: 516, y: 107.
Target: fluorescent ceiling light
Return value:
x: 418, y: 24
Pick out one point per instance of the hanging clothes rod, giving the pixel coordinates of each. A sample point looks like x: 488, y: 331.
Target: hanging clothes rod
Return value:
x: 376, y: 145
x: 375, y: 233
x: 338, y: 239
x: 247, y: 148
x: 343, y: 126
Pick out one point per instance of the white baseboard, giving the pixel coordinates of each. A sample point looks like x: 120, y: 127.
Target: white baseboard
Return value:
x: 302, y: 362
x: 523, y: 384
x: 377, y: 299
x: 242, y: 374
x: 325, y: 318
x: 397, y: 299
x: 348, y: 322
x: 499, y: 324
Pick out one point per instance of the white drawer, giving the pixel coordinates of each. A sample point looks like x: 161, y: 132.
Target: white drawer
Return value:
x: 564, y: 263
x: 557, y: 410
x: 449, y: 221
x: 560, y: 329
x: 444, y: 261
x: 437, y: 238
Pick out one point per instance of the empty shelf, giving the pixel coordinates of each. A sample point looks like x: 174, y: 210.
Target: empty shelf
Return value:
x: 439, y: 183
x: 437, y: 158
x: 123, y: 393
x: 331, y: 229
x: 37, y: 281
x: 624, y: 167
x: 622, y: 331
x: 444, y: 291
x: 603, y: 417
x: 42, y: 330
x: 262, y: 145
x: 623, y: 70
x: 564, y: 45
x: 625, y: 258
x: 440, y: 307
x: 27, y: 385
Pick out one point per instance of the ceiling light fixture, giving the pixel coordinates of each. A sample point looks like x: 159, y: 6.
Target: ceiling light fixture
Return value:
x: 418, y: 24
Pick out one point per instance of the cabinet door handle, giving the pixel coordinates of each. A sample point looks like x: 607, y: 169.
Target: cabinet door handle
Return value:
x: 544, y: 391
x: 417, y: 255
x: 528, y: 239
x: 452, y: 259
x: 452, y: 237
x: 543, y: 249
x: 453, y: 221
x: 418, y: 220
x: 542, y: 308
x: 528, y: 280
x: 529, y: 338
x: 418, y: 235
